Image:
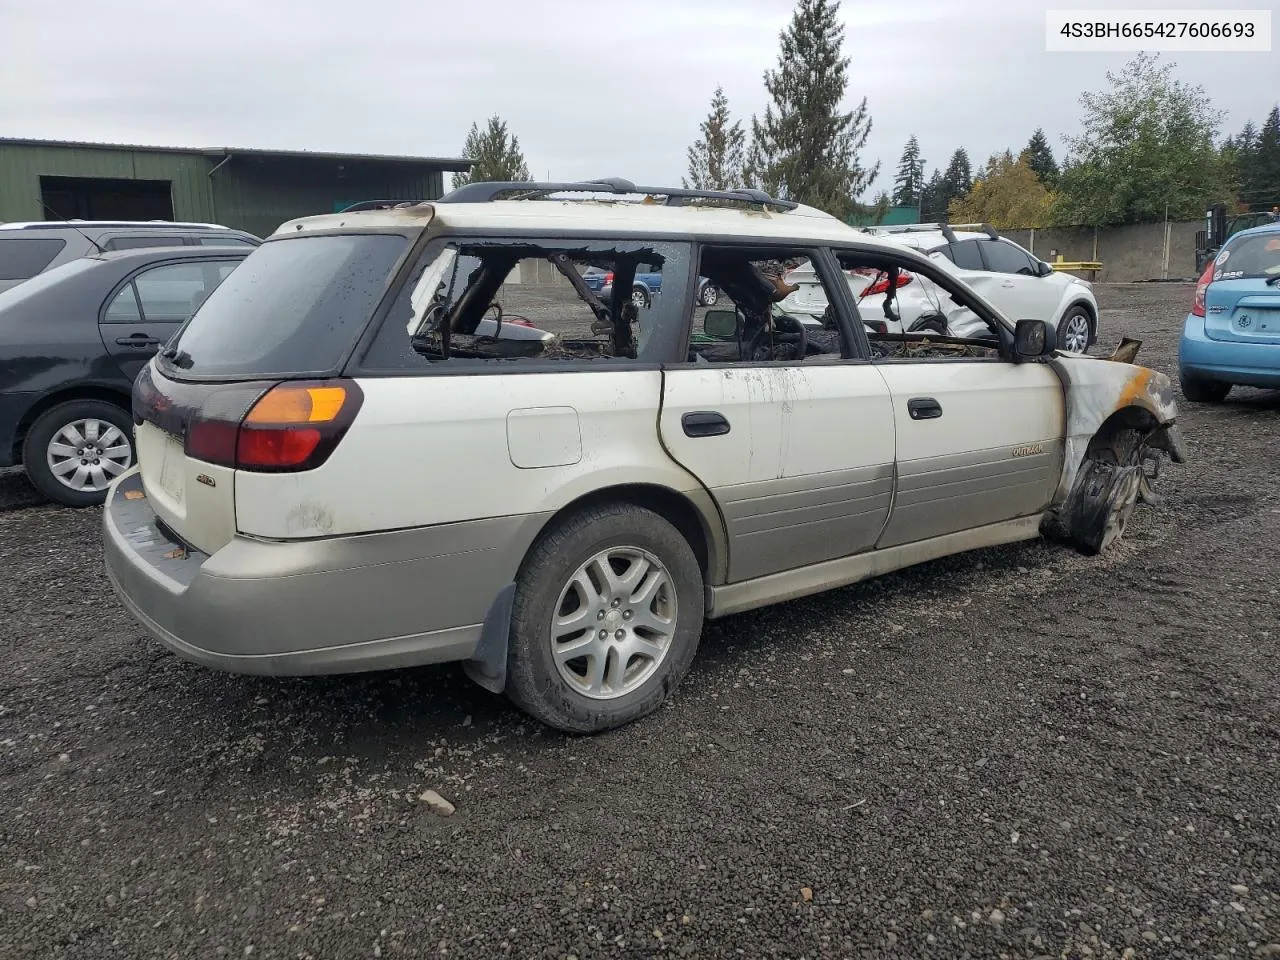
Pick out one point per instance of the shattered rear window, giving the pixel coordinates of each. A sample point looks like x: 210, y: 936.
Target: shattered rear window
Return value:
x: 477, y: 302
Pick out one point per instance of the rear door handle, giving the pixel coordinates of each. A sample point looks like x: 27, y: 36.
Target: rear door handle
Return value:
x: 924, y: 408
x: 138, y: 340
x: 704, y: 423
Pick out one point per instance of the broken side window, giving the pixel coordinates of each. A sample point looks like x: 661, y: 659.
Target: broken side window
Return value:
x: 480, y: 301
x: 909, y: 315
x: 773, y: 307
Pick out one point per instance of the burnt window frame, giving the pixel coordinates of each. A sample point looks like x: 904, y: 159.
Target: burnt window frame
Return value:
x: 854, y: 347
x: 922, y: 264
x: 677, y: 293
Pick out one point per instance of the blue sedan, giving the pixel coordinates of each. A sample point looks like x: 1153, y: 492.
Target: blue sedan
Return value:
x: 1232, y: 335
x: 646, y: 284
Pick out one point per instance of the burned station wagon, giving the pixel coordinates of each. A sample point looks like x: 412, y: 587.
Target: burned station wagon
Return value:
x: 345, y: 465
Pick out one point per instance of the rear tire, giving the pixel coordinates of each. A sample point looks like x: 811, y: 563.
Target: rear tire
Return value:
x: 1204, y: 391
x: 637, y: 637
x: 50, y: 446
x: 709, y: 295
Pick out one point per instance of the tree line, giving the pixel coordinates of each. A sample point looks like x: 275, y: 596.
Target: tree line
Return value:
x: 1147, y: 148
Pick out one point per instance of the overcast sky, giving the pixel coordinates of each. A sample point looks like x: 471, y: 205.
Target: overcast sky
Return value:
x: 601, y: 88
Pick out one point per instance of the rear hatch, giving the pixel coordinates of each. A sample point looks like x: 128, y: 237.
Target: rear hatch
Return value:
x: 250, y: 382
x: 1242, y: 303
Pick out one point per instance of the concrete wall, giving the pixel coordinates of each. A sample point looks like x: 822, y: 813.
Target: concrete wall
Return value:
x: 1128, y: 253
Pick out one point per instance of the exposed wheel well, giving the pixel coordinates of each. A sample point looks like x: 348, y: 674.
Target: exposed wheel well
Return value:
x: 673, y: 506
x: 1127, y: 418
x: 107, y: 394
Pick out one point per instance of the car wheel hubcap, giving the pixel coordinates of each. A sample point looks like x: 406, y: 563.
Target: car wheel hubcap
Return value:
x: 1076, y: 334
x: 86, y: 455
x: 638, y: 298
x: 614, y: 623
x: 710, y: 296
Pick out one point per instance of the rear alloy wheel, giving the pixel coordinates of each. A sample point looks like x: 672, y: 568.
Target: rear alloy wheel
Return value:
x: 1204, y: 391
x: 640, y: 297
x: 709, y: 295
x: 607, y: 616
x: 74, y: 450
x: 1075, y: 331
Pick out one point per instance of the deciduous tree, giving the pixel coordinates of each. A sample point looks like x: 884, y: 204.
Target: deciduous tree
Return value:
x: 1009, y: 196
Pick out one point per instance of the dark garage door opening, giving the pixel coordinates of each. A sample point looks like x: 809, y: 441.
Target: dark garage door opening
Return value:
x: 95, y: 198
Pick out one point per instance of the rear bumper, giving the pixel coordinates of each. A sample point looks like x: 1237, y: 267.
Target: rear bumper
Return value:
x: 337, y: 605
x: 1247, y: 364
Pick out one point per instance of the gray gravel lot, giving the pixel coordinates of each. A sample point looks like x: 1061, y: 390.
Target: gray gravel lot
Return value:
x: 1017, y: 753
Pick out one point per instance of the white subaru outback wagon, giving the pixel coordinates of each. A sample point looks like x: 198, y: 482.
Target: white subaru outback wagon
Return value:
x: 345, y: 465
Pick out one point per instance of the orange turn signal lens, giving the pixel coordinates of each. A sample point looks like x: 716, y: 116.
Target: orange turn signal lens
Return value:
x: 291, y: 403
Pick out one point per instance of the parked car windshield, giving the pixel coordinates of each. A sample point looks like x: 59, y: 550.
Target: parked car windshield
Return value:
x: 293, y: 306
x: 1256, y: 255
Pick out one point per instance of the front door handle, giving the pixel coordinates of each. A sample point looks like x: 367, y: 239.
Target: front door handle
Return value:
x: 704, y: 423
x: 138, y: 340
x: 924, y: 408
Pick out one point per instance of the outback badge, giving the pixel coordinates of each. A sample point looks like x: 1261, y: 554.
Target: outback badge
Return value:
x: 1028, y: 451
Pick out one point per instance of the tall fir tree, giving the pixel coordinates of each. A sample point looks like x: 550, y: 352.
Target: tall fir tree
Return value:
x: 1264, y: 184
x: 1039, y: 157
x: 805, y: 147
x: 933, y: 199
x: 716, y: 159
x: 496, y: 155
x: 909, y: 181
x: 958, y: 180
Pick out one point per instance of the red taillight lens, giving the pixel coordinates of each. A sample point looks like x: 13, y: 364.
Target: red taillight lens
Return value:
x: 882, y: 284
x: 1202, y: 287
x: 292, y: 426
x: 608, y: 279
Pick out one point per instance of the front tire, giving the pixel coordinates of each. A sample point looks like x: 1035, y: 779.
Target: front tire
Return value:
x: 607, y: 616
x: 1075, y: 332
x: 74, y: 450
x: 1204, y: 391
x: 640, y: 297
x: 709, y: 295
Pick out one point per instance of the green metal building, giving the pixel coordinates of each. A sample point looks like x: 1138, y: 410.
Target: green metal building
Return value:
x: 253, y: 190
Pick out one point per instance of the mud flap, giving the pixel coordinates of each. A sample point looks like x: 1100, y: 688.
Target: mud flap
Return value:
x: 488, y: 665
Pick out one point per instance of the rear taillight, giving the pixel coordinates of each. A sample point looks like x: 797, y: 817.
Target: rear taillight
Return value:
x: 292, y: 426
x: 1202, y: 287
x: 882, y: 284
x: 608, y: 279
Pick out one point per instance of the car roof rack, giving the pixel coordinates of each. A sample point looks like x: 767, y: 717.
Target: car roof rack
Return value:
x: 488, y: 191
x: 946, y: 229
x: 379, y: 205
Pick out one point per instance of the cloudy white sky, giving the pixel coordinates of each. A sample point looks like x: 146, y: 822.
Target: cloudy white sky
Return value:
x: 601, y: 88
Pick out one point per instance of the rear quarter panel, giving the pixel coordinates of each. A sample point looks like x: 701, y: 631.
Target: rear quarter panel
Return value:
x: 443, y: 449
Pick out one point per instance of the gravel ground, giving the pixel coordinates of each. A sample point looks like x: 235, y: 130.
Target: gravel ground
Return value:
x: 1015, y: 753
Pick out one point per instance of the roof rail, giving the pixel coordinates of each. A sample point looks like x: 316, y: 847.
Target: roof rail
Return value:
x: 486, y: 192
x: 946, y: 229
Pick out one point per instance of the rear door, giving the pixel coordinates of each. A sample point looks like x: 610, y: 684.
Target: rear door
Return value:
x: 141, y: 314
x: 1242, y: 303
x: 797, y: 452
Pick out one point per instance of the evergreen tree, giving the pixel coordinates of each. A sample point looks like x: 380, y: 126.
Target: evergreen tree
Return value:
x: 805, y: 147
x: 933, y: 200
x: 1264, y: 169
x: 910, y: 177
x: 496, y: 154
x: 1039, y: 158
x: 958, y: 179
x: 716, y: 159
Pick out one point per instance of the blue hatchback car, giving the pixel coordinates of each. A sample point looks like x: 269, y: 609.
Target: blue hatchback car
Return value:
x: 1232, y: 335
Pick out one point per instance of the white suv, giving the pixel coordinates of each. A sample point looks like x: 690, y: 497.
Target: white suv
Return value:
x: 341, y: 469
x: 1014, y: 280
